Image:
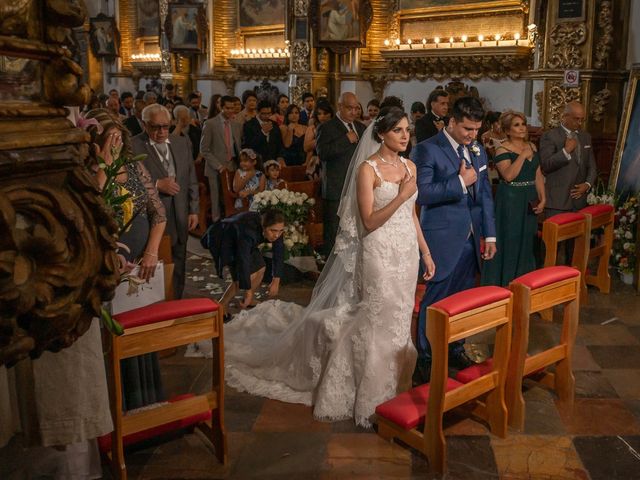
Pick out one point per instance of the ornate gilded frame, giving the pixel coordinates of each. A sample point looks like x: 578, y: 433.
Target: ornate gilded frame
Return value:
x: 365, y: 17
x: 201, y: 27
x: 111, y: 21
x: 261, y: 29
x: 488, y: 6
x: 630, y: 113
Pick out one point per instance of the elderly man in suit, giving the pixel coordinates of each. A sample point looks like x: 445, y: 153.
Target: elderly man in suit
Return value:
x: 567, y: 161
x: 220, y: 147
x: 436, y: 118
x: 336, y: 142
x: 457, y: 211
x: 170, y: 164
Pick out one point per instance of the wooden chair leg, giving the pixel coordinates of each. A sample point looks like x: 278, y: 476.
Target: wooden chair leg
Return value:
x: 564, y: 378
x: 519, y: 346
x: 118, y: 465
x: 435, y: 447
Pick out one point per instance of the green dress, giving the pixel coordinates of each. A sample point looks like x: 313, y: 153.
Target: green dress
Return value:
x: 516, y: 226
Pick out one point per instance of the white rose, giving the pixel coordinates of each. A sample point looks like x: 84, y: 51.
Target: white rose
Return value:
x: 274, y: 201
x: 628, y: 235
x: 312, y: 201
x: 305, y: 196
x: 288, y: 243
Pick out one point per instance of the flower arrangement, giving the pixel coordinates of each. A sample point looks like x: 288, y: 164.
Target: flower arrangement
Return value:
x: 623, y: 252
x: 295, y: 206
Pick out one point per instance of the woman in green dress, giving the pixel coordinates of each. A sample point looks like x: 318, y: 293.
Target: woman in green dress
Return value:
x: 520, y: 198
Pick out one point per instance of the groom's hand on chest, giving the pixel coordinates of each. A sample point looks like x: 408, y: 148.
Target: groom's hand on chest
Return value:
x: 468, y: 174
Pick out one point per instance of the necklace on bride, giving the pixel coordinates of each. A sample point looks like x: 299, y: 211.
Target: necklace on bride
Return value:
x: 393, y: 164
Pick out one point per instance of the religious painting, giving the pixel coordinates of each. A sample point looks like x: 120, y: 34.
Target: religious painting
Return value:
x: 104, y: 37
x: 257, y: 14
x: 186, y: 27
x: 625, y: 173
x: 148, y: 19
x: 341, y: 24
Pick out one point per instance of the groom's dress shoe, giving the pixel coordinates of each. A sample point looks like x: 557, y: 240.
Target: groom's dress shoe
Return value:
x: 422, y: 373
x: 460, y: 361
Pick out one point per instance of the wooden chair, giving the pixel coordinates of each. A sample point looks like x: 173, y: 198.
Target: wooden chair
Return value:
x: 229, y: 196
x: 534, y: 292
x: 562, y: 227
x: 154, y: 328
x: 454, y: 318
x: 601, y: 216
x: 294, y: 173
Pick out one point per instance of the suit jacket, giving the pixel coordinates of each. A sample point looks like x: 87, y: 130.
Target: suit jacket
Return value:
x: 425, y: 127
x: 561, y: 173
x: 133, y: 125
x: 233, y: 240
x: 304, y: 117
x: 253, y: 137
x: 185, y: 202
x: 335, y: 152
x: 213, y: 147
x: 447, y: 212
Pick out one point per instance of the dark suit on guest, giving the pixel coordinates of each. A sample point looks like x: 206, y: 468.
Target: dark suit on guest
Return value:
x: 304, y: 117
x: 179, y: 206
x: 452, y: 222
x: 425, y: 127
x: 134, y: 125
x: 268, y: 146
x: 335, y: 151
x: 562, y: 173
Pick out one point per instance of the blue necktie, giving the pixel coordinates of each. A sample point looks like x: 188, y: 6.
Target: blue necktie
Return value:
x: 467, y: 163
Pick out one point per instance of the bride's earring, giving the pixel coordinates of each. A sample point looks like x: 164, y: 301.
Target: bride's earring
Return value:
x: 382, y: 141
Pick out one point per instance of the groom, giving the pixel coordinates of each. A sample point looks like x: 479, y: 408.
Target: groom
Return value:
x: 456, y: 211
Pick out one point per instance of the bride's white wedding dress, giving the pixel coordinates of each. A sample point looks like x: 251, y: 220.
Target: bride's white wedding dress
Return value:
x: 351, y: 348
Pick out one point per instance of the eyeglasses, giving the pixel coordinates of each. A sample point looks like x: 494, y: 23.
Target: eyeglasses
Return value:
x: 153, y: 127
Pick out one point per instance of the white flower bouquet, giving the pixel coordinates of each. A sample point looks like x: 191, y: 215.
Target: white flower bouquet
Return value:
x: 296, y: 207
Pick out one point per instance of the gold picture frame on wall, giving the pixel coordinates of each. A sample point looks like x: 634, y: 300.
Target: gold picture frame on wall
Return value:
x: 434, y: 8
x: 186, y: 27
x: 261, y: 16
x: 625, y: 171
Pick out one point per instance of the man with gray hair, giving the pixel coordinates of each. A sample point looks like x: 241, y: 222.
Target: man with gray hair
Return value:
x: 567, y: 161
x: 150, y: 98
x: 337, y: 140
x: 170, y: 164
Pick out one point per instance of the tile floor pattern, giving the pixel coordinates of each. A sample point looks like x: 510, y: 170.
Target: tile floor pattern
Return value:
x: 599, y: 439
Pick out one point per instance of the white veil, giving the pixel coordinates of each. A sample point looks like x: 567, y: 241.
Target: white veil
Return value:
x: 270, y: 349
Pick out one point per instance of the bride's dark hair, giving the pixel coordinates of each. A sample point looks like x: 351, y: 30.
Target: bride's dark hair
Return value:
x: 388, y: 118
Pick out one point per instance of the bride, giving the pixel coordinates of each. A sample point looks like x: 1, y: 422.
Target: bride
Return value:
x: 350, y: 349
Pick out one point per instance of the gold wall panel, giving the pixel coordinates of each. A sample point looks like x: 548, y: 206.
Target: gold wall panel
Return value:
x: 481, y: 25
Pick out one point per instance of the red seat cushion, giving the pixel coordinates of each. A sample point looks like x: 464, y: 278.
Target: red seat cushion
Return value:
x: 595, y: 210
x: 475, y: 371
x: 546, y: 276
x: 564, y: 218
x: 159, y: 312
x: 407, y: 410
x: 470, y: 299
x: 420, y: 289
x: 104, y: 442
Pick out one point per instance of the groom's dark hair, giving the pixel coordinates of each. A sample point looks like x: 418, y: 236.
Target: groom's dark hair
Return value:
x: 468, y: 107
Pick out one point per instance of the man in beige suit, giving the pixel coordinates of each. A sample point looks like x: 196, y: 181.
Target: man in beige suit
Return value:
x: 220, y: 146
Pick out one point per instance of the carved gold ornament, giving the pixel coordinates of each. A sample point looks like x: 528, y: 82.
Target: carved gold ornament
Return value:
x: 605, y: 23
x: 559, y: 96
x: 599, y: 104
x: 566, y: 39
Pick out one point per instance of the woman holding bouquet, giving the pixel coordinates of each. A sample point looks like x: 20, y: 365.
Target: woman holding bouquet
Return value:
x: 350, y: 349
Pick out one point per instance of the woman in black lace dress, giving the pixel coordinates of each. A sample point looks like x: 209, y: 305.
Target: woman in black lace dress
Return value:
x: 140, y: 375
x: 293, y: 137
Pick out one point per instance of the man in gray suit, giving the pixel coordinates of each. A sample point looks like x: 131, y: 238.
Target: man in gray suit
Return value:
x: 220, y: 147
x: 170, y: 164
x: 567, y: 161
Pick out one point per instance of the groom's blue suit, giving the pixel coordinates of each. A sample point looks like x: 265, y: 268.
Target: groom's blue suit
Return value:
x: 452, y: 222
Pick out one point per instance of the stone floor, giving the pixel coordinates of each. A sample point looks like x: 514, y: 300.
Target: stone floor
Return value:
x: 599, y: 439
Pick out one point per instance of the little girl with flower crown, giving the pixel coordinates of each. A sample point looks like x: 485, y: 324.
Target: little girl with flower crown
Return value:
x: 272, y: 172
x: 248, y: 179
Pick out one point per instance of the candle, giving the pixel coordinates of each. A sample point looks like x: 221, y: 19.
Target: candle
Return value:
x: 437, y: 41
x: 397, y: 42
x: 517, y: 37
x: 480, y: 39
x: 450, y: 41
x: 424, y: 42
x: 497, y: 37
x: 464, y: 40
x: 409, y: 43
x: 386, y: 42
